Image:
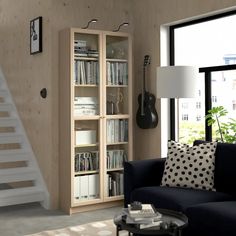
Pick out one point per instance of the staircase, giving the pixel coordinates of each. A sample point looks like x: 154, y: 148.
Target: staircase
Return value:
x: 20, y: 177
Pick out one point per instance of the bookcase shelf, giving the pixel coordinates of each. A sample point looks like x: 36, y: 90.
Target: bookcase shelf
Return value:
x: 86, y: 117
x: 85, y: 85
x: 118, y: 116
x: 86, y: 172
x: 116, y: 60
x: 117, y: 143
x: 115, y: 169
x: 86, y: 145
x: 86, y: 58
x: 117, y: 86
x: 95, y: 117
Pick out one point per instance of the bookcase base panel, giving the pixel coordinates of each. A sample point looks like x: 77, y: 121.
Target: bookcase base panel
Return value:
x: 95, y: 206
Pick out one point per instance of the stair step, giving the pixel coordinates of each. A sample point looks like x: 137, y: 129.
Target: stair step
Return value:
x: 20, y: 153
x: 17, y: 174
x: 8, y: 122
x: 6, y: 138
x: 6, y: 107
x: 21, y: 195
x: 13, y: 155
x: 3, y: 93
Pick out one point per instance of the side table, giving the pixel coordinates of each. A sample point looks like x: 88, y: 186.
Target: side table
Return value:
x: 172, y: 224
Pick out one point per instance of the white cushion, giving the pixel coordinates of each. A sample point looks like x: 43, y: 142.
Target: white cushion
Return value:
x: 190, y: 167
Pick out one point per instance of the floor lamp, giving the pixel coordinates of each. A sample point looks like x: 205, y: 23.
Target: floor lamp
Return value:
x: 176, y: 82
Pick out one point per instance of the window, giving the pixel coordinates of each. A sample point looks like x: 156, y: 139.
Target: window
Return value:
x: 234, y: 105
x: 185, y: 117
x: 208, y: 43
x: 214, y: 99
x: 234, y: 85
x: 198, y: 118
x: 185, y: 105
x: 198, y: 105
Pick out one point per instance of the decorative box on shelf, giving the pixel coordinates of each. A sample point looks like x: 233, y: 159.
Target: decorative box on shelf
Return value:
x: 85, y: 137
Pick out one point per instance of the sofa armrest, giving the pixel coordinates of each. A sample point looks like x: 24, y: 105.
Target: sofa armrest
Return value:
x: 142, y: 173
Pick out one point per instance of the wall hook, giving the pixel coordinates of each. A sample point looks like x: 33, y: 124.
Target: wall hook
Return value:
x: 43, y: 92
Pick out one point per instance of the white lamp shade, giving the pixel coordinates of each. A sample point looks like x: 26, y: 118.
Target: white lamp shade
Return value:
x: 176, y: 81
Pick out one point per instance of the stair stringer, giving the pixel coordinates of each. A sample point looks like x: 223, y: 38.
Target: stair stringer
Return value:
x: 39, y: 183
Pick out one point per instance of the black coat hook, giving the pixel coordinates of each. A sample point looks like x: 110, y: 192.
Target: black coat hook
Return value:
x: 43, y: 92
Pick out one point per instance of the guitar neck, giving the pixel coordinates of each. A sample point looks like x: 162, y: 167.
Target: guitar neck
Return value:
x: 144, y: 79
x: 143, y: 91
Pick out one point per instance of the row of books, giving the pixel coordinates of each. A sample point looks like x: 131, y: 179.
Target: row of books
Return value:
x: 115, y: 183
x: 86, y: 72
x: 116, y: 158
x: 117, y: 130
x: 86, y: 187
x: 86, y: 161
x: 117, y: 73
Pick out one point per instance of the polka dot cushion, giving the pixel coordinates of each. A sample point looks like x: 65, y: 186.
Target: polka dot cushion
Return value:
x: 190, y: 167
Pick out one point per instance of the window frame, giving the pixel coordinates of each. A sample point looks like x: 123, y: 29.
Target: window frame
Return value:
x: 206, y: 70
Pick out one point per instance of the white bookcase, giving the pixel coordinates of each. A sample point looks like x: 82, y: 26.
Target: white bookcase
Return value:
x: 95, y: 117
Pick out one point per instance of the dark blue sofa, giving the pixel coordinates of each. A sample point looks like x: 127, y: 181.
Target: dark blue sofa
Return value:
x: 210, y: 213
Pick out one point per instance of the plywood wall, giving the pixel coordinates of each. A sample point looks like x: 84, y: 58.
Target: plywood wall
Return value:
x: 149, y: 15
x: 27, y: 75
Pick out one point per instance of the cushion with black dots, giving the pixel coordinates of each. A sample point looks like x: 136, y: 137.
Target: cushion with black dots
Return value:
x: 190, y: 167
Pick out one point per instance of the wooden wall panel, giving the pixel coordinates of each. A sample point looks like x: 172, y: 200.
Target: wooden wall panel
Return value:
x: 28, y: 74
x: 148, y: 16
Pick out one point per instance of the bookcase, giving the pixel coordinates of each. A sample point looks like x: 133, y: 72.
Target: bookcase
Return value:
x: 95, y: 117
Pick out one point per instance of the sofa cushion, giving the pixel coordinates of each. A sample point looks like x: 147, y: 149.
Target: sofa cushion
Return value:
x: 191, y: 167
x: 225, y: 164
x: 213, y: 219
x: 175, y: 198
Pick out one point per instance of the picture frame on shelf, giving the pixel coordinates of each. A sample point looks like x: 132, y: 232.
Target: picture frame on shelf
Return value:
x: 36, y: 35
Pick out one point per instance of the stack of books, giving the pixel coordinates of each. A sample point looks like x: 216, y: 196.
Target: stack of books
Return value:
x: 82, y: 50
x: 85, y: 106
x: 144, y: 218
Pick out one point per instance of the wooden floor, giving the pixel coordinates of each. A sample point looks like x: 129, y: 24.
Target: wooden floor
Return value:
x: 32, y: 218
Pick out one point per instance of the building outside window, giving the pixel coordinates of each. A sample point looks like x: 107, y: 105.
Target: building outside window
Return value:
x: 198, y: 105
x: 212, y: 42
x: 214, y: 99
x: 184, y: 116
x: 185, y: 105
x: 198, y: 118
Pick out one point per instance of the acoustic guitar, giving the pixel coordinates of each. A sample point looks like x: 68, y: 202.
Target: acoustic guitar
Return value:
x: 146, y: 116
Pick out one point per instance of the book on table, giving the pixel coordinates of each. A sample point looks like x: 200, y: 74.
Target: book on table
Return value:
x: 144, y: 218
x: 149, y: 225
x: 147, y: 210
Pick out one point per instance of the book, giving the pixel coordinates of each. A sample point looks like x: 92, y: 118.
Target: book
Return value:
x: 149, y: 225
x: 147, y: 220
x: 92, y: 189
x: 77, y: 187
x: 147, y: 211
x: 142, y: 220
x: 84, y: 187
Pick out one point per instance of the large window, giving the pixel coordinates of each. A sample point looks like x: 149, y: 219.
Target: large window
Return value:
x: 208, y: 43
